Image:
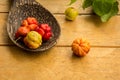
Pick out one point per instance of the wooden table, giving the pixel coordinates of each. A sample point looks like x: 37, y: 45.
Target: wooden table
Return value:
x: 58, y: 63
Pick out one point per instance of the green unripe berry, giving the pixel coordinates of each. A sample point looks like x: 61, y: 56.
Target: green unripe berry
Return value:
x: 71, y: 13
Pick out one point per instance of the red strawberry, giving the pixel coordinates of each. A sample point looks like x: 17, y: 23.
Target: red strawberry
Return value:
x: 32, y: 20
x: 24, y: 23
x: 32, y: 26
x: 22, y: 31
x: 47, y: 36
x: 40, y: 31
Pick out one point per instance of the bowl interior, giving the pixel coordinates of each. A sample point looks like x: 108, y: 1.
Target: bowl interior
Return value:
x: 16, y: 15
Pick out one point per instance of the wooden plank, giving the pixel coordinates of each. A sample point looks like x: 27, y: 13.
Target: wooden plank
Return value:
x: 59, y: 6
x: 86, y: 26
x: 4, y: 36
x: 54, y: 6
x: 59, y: 64
x: 4, y: 5
x: 91, y: 28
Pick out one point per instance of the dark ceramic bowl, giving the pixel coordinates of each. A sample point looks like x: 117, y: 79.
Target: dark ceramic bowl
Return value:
x: 20, y: 10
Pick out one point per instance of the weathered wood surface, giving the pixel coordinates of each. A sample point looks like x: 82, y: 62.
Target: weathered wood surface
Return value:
x: 86, y: 26
x: 55, y: 6
x: 59, y: 63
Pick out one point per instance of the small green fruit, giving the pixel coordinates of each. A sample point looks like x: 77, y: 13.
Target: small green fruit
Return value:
x: 71, y: 13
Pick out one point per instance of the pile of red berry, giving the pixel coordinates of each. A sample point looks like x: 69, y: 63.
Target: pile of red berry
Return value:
x: 31, y: 24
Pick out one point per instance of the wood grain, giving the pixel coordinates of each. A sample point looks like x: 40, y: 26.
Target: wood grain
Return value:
x: 59, y: 63
x: 55, y: 6
x: 100, y: 63
x: 89, y: 27
x: 5, y: 5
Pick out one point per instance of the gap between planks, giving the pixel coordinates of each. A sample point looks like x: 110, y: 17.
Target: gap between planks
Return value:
x: 64, y: 14
x: 93, y: 46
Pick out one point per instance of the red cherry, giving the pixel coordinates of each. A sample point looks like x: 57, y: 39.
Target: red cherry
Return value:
x: 32, y: 26
x: 45, y: 27
x: 47, y: 36
x: 17, y: 35
x: 48, y: 29
x: 32, y: 20
x: 23, y: 31
x: 40, y: 31
x: 24, y: 23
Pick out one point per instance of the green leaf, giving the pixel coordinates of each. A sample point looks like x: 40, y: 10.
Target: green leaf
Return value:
x: 87, y: 3
x: 114, y: 10
x: 102, y: 7
x: 72, y: 1
x: 105, y: 9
